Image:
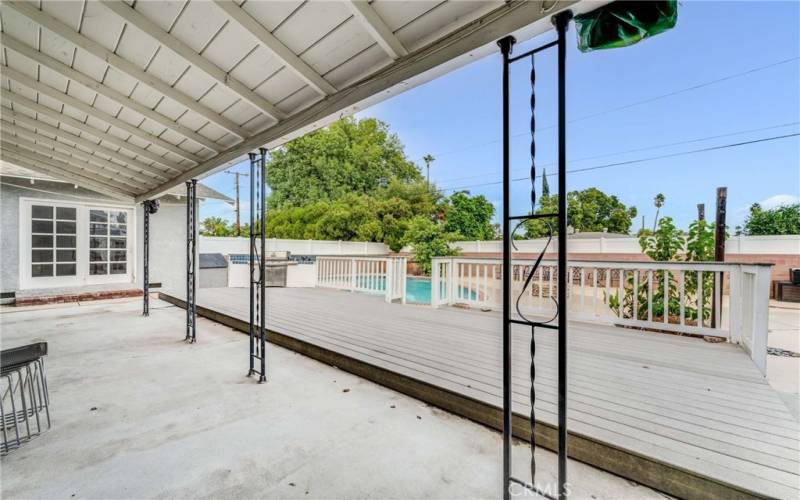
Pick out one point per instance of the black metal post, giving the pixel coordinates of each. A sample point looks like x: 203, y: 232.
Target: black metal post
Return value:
x: 252, y: 259
x: 191, y: 265
x: 194, y: 263
x: 149, y: 207
x: 146, y: 284
x: 258, y: 251
x: 263, y: 234
x: 506, y: 46
x: 562, y: 21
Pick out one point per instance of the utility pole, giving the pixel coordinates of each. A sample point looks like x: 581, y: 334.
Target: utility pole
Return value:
x: 701, y: 211
x: 428, y: 159
x: 238, y: 226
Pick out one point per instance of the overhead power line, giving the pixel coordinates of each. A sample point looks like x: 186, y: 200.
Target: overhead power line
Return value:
x: 635, y: 103
x: 636, y: 150
x: 640, y: 160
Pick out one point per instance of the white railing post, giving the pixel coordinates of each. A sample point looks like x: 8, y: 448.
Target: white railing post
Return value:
x: 735, y: 305
x: 403, y: 280
x: 353, y: 273
x: 761, y: 283
x: 436, y: 277
x: 452, y: 274
x: 389, y: 282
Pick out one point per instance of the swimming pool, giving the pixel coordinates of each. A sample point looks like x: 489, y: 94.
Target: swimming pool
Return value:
x: 418, y: 289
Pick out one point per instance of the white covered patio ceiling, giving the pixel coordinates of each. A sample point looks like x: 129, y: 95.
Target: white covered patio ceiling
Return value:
x: 135, y: 98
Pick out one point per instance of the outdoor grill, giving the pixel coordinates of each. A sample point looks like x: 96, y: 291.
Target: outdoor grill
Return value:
x: 24, y: 400
x: 275, y: 264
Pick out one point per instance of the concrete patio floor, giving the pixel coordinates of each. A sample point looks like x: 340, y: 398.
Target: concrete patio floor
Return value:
x: 137, y: 413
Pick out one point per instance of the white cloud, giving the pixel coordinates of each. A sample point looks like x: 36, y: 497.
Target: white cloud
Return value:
x: 779, y: 200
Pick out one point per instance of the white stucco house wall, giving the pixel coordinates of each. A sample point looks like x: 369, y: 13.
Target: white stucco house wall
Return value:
x: 58, y: 238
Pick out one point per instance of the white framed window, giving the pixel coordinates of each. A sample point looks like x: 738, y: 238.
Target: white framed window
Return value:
x: 53, y: 241
x: 108, y: 242
x: 71, y: 244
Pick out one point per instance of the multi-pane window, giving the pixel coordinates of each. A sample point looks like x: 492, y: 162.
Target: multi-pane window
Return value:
x: 108, y: 242
x: 53, y: 241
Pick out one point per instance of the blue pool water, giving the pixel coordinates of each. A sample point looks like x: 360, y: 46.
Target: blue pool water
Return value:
x: 418, y: 290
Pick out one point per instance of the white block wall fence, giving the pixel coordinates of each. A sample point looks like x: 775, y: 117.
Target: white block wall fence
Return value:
x: 233, y: 245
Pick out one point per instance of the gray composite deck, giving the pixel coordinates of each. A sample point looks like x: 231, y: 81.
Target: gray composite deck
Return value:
x: 689, y: 417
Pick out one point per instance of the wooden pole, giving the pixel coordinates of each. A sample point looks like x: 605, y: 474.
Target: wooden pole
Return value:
x: 719, y: 242
x: 719, y: 248
x: 701, y: 211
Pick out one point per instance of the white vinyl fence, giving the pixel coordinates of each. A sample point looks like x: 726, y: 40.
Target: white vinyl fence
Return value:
x: 232, y: 245
x: 378, y: 275
x: 625, y: 294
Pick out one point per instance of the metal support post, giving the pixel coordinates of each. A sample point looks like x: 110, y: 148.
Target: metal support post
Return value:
x: 191, y: 264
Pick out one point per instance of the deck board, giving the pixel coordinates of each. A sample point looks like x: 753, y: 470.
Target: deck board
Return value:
x: 697, y: 406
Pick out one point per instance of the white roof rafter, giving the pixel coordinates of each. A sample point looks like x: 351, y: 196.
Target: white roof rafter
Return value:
x: 32, y: 140
x: 131, y: 16
x: 24, y: 147
x: 56, y: 94
x: 285, y: 54
x: 377, y: 28
x: 106, y: 91
x: 23, y: 101
x: 32, y: 122
x: 40, y: 164
x: 121, y: 64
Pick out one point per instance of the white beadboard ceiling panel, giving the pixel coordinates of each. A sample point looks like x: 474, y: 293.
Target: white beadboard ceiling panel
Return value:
x: 150, y: 94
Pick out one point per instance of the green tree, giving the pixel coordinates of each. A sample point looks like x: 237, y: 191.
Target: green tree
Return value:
x: 470, y: 216
x: 383, y: 216
x: 587, y: 210
x: 779, y: 220
x: 215, y: 226
x: 348, y: 157
x: 428, y: 239
x: 665, y: 243
x: 700, y: 241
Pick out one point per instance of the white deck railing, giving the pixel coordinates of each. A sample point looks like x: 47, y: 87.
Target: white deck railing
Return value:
x: 627, y: 294
x: 379, y: 275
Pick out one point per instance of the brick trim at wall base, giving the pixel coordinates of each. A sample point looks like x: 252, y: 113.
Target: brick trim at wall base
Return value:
x: 77, y: 297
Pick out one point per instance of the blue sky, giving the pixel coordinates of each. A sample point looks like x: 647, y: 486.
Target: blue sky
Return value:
x: 729, y: 71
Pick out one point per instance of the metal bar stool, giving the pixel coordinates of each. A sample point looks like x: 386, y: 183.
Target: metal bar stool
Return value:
x: 24, y: 400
